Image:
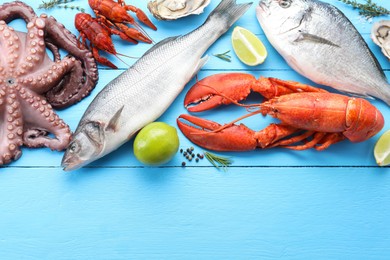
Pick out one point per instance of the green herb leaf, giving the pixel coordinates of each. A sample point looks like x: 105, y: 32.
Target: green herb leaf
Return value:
x: 218, y: 161
x: 59, y: 4
x: 369, y: 9
x: 224, y: 56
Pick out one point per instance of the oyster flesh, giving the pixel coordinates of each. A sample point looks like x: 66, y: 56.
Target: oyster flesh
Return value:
x: 174, y: 9
x: 380, y: 34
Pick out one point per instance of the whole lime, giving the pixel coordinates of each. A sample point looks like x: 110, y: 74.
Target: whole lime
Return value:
x: 156, y: 143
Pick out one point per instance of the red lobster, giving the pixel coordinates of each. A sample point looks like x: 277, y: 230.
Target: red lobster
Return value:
x: 99, y: 36
x: 116, y: 14
x: 310, y: 117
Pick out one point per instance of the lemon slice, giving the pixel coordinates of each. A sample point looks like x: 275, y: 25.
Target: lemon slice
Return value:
x: 248, y: 48
x: 382, y: 149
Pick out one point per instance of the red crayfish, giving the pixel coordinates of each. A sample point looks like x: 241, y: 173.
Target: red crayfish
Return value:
x: 115, y: 14
x: 112, y: 18
x: 310, y: 117
x: 99, y: 36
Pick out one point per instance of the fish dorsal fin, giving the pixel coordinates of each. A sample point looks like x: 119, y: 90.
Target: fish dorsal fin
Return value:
x: 112, y: 125
x: 160, y: 43
x: 303, y: 36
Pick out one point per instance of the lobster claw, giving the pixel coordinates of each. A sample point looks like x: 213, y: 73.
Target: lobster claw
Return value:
x: 219, y: 89
x: 207, y: 134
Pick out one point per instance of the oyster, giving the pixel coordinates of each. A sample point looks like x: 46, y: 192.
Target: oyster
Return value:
x: 174, y: 9
x: 380, y: 34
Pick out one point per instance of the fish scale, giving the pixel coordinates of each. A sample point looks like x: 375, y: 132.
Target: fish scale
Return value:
x: 142, y: 93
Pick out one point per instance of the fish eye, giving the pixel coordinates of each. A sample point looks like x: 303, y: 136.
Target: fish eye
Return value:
x: 74, y: 147
x: 285, y: 3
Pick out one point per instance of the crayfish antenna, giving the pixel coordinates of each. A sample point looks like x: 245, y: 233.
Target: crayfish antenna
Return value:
x: 120, y: 54
x: 127, y: 56
x: 116, y: 55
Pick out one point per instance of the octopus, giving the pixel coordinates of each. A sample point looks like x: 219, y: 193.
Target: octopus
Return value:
x: 32, y: 83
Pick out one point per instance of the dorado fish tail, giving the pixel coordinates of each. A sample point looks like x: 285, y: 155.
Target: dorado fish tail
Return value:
x: 228, y: 12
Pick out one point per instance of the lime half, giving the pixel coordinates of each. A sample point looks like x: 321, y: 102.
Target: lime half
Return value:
x: 382, y: 149
x: 248, y: 48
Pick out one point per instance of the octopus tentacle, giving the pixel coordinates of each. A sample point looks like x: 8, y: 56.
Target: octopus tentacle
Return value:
x: 41, y: 121
x: 15, y: 10
x: 11, y: 134
x: 45, y: 79
x: 10, y: 46
x: 57, y: 34
x: 35, y: 53
x: 54, y: 50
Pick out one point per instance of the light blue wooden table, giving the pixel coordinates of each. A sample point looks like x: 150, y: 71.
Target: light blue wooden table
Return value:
x: 270, y: 204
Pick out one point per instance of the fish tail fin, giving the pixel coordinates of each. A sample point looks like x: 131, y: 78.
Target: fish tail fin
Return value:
x: 228, y: 12
x: 385, y: 95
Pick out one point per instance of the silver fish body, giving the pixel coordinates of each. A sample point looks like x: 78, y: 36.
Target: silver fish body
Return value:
x: 319, y: 42
x: 143, y: 92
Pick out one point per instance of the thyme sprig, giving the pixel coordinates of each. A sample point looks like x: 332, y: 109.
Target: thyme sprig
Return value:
x: 60, y: 4
x: 218, y: 161
x: 224, y: 56
x: 369, y: 9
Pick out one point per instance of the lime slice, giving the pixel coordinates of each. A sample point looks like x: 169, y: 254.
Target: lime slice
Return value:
x: 248, y: 48
x: 382, y: 149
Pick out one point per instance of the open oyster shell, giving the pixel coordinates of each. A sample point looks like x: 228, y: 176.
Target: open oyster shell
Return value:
x: 380, y: 34
x: 174, y: 9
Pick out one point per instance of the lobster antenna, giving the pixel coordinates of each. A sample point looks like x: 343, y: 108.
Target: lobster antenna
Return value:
x: 230, y: 123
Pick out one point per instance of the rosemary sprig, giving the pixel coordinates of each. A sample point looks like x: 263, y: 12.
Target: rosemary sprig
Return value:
x: 224, y: 56
x: 369, y: 9
x: 218, y: 161
x: 60, y: 4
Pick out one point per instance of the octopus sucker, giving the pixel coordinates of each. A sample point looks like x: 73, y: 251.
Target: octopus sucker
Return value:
x: 31, y: 83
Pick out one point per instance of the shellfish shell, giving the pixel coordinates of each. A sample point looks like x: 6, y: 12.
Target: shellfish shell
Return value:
x: 175, y: 9
x: 380, y: 34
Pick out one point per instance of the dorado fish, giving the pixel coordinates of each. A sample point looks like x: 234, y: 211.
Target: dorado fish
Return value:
x: 319, y: 42
x: 143, y: 92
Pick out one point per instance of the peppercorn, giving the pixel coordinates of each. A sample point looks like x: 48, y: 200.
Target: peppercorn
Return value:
x: 197, y: 160
x: 183, y: 164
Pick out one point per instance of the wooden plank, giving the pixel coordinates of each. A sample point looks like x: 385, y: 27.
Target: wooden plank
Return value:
x: 245, y: 213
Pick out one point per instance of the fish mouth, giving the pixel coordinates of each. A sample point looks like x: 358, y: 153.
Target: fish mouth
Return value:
x: 70, y: 163
x: 263, y: 7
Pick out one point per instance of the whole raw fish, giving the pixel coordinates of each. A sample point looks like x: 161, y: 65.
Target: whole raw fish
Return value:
x: 319, y: 42
x: 143, y: 92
